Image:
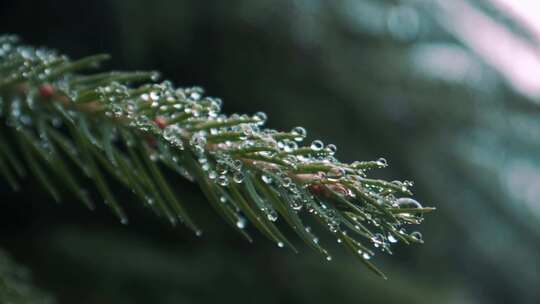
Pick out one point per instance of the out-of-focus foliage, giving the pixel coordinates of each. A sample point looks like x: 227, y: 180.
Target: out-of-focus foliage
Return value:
x: 388, y: 77
x: 16, y: 285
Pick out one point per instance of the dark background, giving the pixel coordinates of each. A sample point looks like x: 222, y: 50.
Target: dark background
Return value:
x: 368, y: 76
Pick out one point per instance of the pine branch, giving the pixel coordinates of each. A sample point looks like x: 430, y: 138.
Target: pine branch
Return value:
x: 104, y: 126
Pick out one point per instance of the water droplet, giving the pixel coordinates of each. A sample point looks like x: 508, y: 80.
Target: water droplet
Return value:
x: 195, y: 96
x: 237, y: 164
x: 331, y: 149
x: 406, y: 202
x: 317, y: 145
x: 238, y: 177
x: 223, y: 180
x: 155, y: 76
x: 392, y: 239
x: 172, y: 135
x: 382, y: 162
x: 286, y: 182
x: 241, y: 223
x: 378, y: 240
x: 366, y: 256
x: 266, y: 179
x: 417, y: 236
x: 271, y: 215
x: 299, y: 132
x: 154, y: 95
x: 56, y: 122
x: 154, y: 157
x: 408, y: 183
x: 260, y: 117
x: 280, y: 244
x: 328, y: 258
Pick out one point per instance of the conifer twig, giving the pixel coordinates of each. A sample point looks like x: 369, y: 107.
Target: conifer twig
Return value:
x: 104, y: 126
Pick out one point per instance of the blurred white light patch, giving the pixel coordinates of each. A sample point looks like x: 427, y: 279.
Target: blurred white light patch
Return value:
x: 515, y: 58
x: 526, y: 12
x: 523, y: 182
x: 445, y: 61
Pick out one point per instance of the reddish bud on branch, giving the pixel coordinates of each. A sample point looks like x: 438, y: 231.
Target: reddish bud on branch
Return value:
x: 46, y: 91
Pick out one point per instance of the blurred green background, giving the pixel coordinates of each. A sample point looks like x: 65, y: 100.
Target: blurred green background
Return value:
x: 447, y: 91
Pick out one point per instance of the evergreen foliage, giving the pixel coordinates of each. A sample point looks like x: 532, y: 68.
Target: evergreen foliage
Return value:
x: 125, y: 126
